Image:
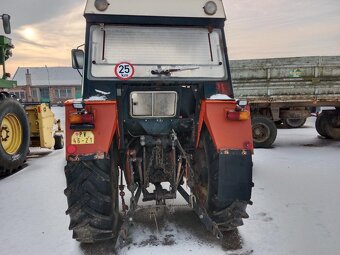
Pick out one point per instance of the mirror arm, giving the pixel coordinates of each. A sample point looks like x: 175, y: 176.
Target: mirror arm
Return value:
x: 79, y: 73
x: 80, y: 46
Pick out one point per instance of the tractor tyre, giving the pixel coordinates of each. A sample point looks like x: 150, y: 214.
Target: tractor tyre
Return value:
x: 294, y: 123
x: 58, y: 141
x: 320, y: 124
x: 264, y: 131
x: 92, y: 196
x: 15, y: 136
x: 228, y: 216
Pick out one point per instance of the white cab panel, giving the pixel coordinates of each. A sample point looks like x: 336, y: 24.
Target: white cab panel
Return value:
x: 166, y: 8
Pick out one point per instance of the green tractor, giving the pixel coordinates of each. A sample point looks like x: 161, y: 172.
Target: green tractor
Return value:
x: 14, y: 126
x: 6, y: 47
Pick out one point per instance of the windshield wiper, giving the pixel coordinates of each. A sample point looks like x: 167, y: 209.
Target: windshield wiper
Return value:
x: 169, y: 71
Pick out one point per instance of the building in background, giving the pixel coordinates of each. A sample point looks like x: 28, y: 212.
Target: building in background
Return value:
x: 47, y: 84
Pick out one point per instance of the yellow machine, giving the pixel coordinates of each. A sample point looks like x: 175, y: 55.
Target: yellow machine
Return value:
x: 41, y: 122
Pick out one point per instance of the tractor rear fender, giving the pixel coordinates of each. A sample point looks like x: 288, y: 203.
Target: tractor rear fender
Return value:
x: 100, y: 126
x: 226, y: 133
x: 230, y: 153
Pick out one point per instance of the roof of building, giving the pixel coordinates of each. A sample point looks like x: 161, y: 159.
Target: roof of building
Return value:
x: 48, y: 76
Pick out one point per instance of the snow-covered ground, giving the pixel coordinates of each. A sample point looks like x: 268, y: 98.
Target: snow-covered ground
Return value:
x: 296, y: 205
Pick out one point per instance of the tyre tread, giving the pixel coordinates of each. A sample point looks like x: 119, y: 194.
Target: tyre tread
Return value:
x: 8, y: 165
x: 89, y: 194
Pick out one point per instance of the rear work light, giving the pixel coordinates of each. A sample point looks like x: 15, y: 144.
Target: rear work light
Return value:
x: 238, y: 115
x: 78, y: 105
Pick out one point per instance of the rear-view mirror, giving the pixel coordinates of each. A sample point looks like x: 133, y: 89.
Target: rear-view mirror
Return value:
x: 6, y: 23
x: 77, y: 58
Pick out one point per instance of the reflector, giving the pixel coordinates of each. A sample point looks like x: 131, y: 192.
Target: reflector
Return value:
x: 71, y: 149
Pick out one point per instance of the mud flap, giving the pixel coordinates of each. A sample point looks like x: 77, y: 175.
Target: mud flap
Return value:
x: 234, y: 177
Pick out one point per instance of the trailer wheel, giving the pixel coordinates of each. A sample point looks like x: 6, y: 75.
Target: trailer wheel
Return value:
x: 320, y: 124
x: 332, y: 130
x: 14, y: 140
x: 58, y: 141
x: 228, y: 216
x: 92, y: 196
x: 294, y: 123
x: 264, y: 132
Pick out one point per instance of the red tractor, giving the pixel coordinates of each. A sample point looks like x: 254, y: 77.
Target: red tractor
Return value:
x: 158, y: 109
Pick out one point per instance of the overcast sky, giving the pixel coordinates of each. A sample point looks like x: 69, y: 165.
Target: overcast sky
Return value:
x: 44, y: 31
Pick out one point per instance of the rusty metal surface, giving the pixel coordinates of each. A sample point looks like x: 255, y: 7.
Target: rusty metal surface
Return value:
x: 305, y: 79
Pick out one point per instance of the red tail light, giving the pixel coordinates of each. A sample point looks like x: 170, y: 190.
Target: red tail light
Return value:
x: 238, y: 115
x: 81, y: 118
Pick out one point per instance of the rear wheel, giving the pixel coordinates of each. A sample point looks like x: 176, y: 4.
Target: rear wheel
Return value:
x: 227, y: 214
x: 14, y: 137
x: 294, y: 123
x: 92, y: 195
x: 264, y: 132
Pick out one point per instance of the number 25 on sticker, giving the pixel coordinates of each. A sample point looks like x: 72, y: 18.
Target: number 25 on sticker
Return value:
x: 124, y: 71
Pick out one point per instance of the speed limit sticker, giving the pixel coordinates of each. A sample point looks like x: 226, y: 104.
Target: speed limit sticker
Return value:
x: 124, y: 71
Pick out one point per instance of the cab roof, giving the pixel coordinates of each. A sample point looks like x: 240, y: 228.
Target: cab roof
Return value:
x: 157, y: 8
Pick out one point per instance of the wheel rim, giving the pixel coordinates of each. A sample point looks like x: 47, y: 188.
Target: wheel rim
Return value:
x: 11, y: 134
x: 295, y: 122
x: 260, y: 132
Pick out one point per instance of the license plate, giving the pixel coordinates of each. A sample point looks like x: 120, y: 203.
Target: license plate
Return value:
x: 82, y: 137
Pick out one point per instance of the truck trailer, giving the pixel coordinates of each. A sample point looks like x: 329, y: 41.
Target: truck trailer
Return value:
x: 157, y: 109
x: 287, y: 90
